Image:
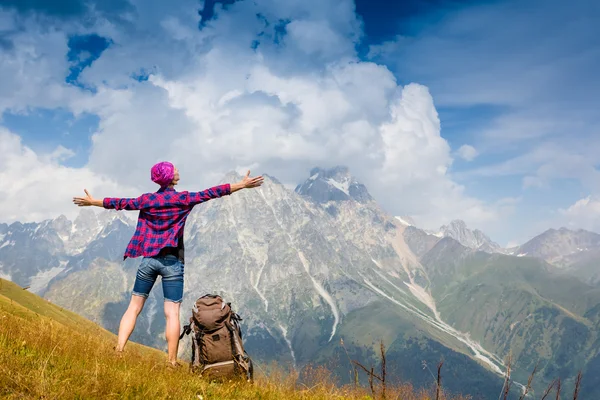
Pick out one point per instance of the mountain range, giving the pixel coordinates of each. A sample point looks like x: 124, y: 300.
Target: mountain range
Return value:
x: 308, y: 267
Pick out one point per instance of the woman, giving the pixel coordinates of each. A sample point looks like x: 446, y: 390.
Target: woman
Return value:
x: 158, y: 238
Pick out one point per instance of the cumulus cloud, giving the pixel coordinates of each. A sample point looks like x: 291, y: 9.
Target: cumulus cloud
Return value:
x: 31, y: 71
x: 584, y: 213
x: 215, y: 102
x: 542, y: 101
x: 35, y: 187
x: 467, y: 152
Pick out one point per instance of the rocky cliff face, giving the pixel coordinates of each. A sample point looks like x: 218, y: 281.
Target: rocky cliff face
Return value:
x: 474, y: 239
x: 556, y: 244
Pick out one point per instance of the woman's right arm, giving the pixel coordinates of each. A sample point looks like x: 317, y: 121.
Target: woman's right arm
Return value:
x: 109, y: 203
x: 223, y: 190
x: 247, y: 183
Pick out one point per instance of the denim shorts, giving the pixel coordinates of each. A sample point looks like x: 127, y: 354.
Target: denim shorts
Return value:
x: 169, y: 268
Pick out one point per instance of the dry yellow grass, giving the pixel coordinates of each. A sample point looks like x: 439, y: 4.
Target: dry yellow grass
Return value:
x: 50, y: 353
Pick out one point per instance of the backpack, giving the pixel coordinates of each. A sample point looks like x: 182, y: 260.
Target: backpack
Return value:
x: 217, y: 348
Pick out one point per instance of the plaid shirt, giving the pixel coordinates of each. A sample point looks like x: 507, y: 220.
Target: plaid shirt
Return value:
x: 162, y: 217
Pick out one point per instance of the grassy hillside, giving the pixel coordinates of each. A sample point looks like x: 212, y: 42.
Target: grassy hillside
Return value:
x: 48, y: 352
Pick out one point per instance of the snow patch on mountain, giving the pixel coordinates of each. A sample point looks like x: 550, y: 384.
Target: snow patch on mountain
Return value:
x: 343, y: 186
x: 491, y: 360
x: 323, y: 293
x: 257, y: 282
x: 289, y: 343
x: 395, y: 275
x: 480, y: 353
x: 248, y: 249
x: 7, y: 243
x: 320, y: 290
x: 403, y: 221
x: 423, y: 296
x: 40, y: 281
x: 335, y: 184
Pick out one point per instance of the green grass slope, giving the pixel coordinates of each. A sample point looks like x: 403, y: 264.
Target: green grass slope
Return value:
x: 51, y: 353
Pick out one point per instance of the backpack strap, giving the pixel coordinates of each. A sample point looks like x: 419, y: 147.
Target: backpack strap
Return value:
x: 197, y: 359
x: 236, y: 317
x: 186, y: 331
x: 237, y: 348
x: 212, y: 296
x: 239, y: 355
x: 235, y: 321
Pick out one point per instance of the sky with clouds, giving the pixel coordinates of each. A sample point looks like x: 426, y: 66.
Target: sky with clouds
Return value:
x: 480, y: 110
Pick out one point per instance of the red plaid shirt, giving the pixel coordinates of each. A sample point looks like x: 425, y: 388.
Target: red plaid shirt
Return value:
x: 162, y: 217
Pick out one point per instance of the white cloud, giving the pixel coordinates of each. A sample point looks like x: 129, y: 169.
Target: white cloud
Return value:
x: 33, y: 69
x: 35, y: 187
x: 584, y: 213
x: 532, y: 114
x: 214, y: 104
x: 317, y: 38
x: 547, y: 162
x: 467, y: 152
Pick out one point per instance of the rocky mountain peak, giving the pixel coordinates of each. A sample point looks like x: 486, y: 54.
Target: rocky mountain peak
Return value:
x: 335, y: 184
x: 233, y: 176
x: 85, y: 217
x: 338, y: 173
x: 474, y: 239
x: 3, y: 231
x: 230, y: 177
x: 557, y: 243
x: 457, y: 224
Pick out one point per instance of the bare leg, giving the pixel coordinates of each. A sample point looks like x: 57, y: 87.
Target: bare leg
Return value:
x: 128, y: 321
x: 172, y: 329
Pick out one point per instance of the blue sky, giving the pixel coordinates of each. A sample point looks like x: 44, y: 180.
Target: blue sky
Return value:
x: 88, y: 86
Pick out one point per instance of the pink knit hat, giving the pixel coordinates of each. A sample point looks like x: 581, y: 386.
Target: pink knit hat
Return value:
x: 162, y: 173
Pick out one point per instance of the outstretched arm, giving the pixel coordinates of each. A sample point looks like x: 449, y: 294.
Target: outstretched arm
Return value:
x: 247, y: 183
x: 116, y: 203
x: 87, y: 201
x: 223, y: 190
